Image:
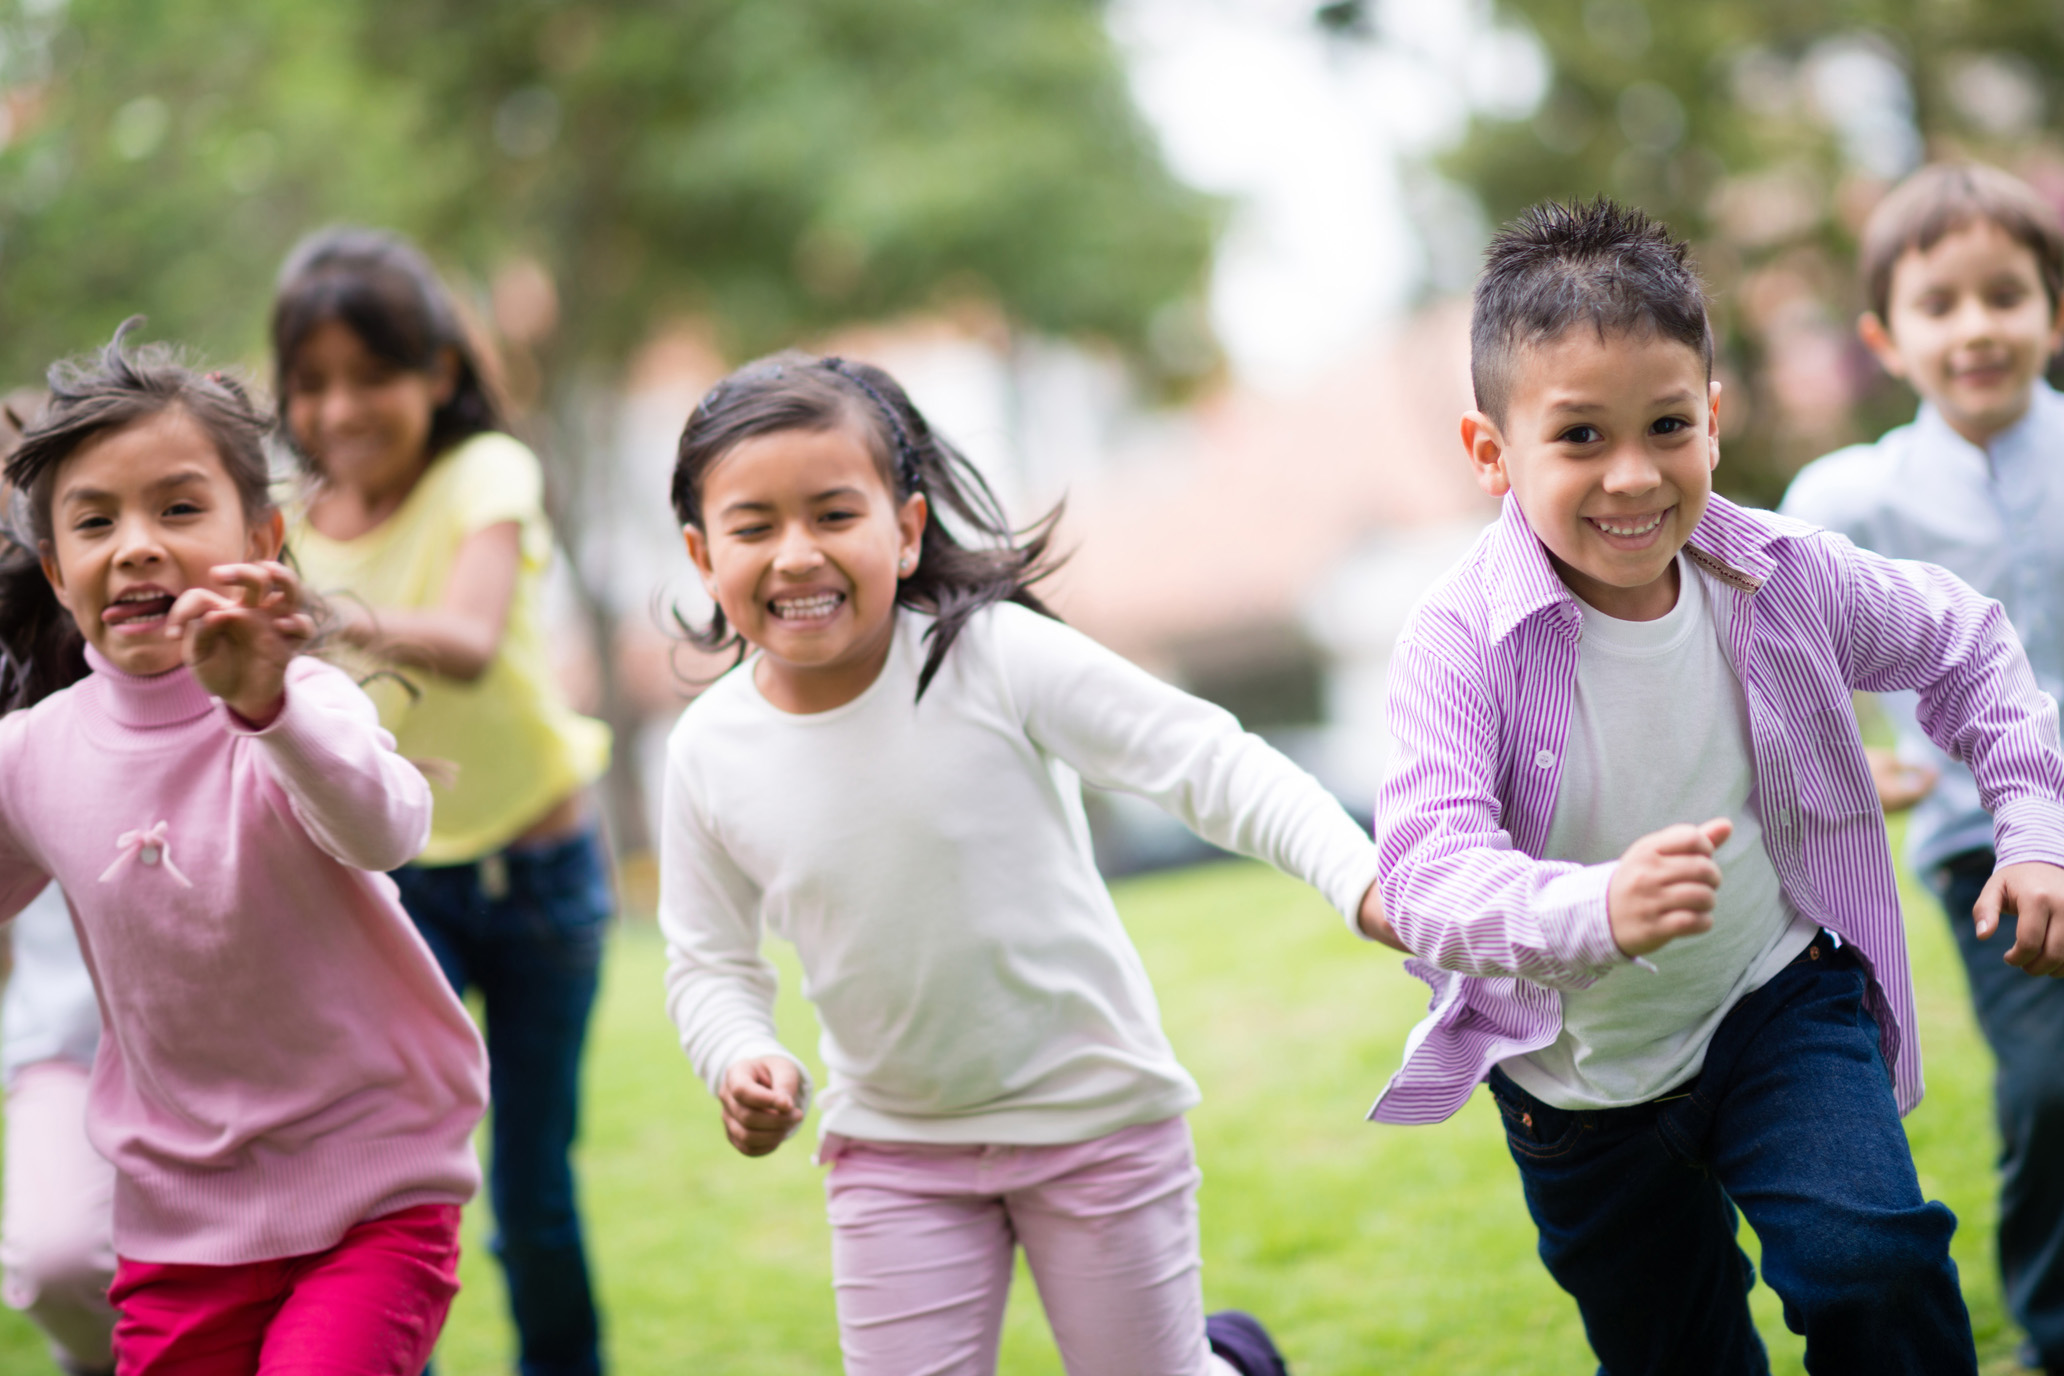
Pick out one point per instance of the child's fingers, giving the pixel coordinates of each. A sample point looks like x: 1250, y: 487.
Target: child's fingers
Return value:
x: 1717, y: 830
x: 1684, y: 922
x: 2038, y: 938
x: 193, y: 603
x: 1985, y: 913
x: 1686, y: 869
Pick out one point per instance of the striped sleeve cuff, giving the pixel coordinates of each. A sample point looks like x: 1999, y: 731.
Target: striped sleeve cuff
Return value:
x: 2029, y: 829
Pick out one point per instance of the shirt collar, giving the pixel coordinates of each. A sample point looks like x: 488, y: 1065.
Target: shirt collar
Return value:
x: 2035, y: 423
x: 1729, y: 543
x: 166, y: 699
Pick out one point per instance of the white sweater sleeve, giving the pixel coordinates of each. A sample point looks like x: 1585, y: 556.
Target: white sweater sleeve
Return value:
x: 1122, y: 728
x: 719, y: 988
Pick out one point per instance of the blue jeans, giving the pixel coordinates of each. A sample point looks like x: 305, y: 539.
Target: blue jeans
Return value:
x: 1792, y: 1121
x: 525, y: 926
x: 2023, y: 1018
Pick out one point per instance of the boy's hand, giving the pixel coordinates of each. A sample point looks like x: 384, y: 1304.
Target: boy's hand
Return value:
x: 2034, y: 892
x: 239, y: 642
x: 1375, y: 925
x: 1664, y: 886
x: 1900, y: 785
x: 763, y: 1103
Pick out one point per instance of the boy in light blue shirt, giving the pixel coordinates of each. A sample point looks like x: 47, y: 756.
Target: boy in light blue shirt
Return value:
x: 1964, y: 267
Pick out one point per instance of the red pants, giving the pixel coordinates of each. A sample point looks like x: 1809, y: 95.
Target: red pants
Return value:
x: 372, y: 1305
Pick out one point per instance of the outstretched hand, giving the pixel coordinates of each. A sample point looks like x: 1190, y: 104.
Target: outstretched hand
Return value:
x: 2034, y: 893
x: 1665, y: 886
x: 762, y: 1098
x: 239, y: 641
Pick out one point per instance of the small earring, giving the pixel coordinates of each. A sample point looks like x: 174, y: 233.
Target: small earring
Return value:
x: 904, y: 567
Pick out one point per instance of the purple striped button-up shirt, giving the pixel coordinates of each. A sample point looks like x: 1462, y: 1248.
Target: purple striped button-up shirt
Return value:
x: 1480, y: 693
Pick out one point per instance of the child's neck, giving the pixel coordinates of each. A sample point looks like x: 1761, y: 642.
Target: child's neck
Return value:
x: 802, y: 690
x: 345, y: 511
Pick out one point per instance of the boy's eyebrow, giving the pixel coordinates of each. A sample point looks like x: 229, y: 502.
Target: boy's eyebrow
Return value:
x: 1574, y: 406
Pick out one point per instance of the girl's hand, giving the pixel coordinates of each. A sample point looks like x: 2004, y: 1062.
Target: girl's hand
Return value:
x: 239, y: 643
x: 1900, y: 785
x: 763, y: 1103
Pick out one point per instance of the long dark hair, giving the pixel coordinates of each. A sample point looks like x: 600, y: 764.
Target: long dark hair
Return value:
x: 41, y: 649
x: 380, y: 287
x: 952, y: 581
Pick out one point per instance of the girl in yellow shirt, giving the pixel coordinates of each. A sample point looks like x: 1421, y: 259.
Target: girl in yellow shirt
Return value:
x: 424, y: 525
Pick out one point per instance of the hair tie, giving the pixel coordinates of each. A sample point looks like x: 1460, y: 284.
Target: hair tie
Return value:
x: 907, y: 464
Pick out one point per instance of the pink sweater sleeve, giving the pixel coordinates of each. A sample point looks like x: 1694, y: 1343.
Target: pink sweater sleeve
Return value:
x: 357, y: 799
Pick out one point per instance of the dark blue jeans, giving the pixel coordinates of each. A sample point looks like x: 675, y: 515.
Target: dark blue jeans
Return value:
x: 525, y: 927
x: 2023, y: 1018
x: 1792, y: 1121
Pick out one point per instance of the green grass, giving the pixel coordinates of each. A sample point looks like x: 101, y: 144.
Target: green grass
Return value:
x: 1401, y: 1249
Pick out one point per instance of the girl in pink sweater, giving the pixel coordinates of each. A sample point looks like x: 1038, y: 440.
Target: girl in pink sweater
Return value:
x: 286, y: 1086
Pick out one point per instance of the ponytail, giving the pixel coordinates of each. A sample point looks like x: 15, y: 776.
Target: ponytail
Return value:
x: 952, y: 581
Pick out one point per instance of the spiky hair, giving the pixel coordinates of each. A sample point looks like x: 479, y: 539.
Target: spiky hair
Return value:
x: 1562, y: 265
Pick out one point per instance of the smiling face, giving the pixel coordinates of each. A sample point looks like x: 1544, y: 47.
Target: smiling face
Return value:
x: 803, y: 545
x: 1969, y: 326
x: 363, y: 421
x: 137, y: 516
x: 1609, y: 447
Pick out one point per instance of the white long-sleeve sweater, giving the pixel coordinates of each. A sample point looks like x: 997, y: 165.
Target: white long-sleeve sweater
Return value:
x: 931, y: 862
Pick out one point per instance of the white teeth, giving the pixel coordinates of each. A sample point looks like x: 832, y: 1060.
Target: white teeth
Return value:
x: 823, y: 604
x: 1611, y: 529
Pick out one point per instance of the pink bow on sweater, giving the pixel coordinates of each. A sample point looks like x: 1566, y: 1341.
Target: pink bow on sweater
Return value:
x: 149, y: 847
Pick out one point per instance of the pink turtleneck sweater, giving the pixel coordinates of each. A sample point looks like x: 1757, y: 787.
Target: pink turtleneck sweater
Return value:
x: 282, y: 1057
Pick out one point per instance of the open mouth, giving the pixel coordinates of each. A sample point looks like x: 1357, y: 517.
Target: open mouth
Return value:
x: 816, y: 606
x: 137, y: 608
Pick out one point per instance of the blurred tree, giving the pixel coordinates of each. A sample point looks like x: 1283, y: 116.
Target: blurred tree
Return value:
x: 1765, y: 130
x: 770, y: 167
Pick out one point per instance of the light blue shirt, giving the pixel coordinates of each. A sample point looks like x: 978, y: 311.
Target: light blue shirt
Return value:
x: 1992, y: 516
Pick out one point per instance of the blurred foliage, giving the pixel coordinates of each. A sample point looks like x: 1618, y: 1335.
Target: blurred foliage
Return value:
x: 1765, y: 130
x: 774, y: 167
x: 592, y: 174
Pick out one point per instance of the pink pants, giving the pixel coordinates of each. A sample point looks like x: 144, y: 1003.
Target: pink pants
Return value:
x: 372, y: 1305
x: 922, y: 1246
x: 56, y: 1232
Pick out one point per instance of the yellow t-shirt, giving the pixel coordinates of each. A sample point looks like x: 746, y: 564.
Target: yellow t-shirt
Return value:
x: 518, y: 746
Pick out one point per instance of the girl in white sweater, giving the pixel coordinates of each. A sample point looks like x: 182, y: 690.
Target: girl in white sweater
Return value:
x: 891, y: 779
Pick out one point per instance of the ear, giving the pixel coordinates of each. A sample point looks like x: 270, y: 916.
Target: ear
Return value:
x: 910, y: 525
x: 52, y: 571
x: 1712, y: 425
x: 267, y: 538
x: 699, y: 555
x: 1485, y: 444
x: 1878, y: 339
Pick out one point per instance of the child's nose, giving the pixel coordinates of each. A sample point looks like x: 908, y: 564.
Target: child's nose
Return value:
x: 798, y: 550
x: 1631, y: 470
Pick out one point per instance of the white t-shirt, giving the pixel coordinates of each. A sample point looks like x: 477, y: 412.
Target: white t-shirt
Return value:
x: 931, y: 862
x: 1659, y: 734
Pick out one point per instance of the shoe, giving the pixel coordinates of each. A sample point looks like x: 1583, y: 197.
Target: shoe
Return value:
x: 1240, y: 1339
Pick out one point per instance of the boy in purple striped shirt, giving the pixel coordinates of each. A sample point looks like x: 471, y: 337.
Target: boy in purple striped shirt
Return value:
x: 1631, y: 836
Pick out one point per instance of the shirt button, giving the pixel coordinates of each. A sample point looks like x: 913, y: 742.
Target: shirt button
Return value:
x: 149, y: 855
x: 1544, y: 759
